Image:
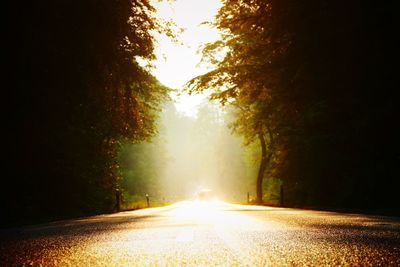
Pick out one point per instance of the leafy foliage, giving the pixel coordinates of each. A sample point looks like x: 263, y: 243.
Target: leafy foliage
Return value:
x: 77, y: 90
x: 141, y: 167
x: 304, y: 77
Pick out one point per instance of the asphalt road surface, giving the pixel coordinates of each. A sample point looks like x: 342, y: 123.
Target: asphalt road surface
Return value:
x: 207, y: 234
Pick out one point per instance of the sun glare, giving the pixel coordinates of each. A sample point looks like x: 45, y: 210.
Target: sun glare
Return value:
x: 216, y: 213
x: 178, y: 62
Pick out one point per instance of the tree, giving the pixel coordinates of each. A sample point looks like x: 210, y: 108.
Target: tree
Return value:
x: 245, y: 78
x: 76, y: 90
x: 308, y: 72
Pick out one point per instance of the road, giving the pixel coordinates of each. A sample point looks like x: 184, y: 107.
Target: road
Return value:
x: 193, y: 233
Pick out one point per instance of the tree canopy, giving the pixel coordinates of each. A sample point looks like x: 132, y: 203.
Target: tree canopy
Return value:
x: 76, y: 90
x: 305, y: 77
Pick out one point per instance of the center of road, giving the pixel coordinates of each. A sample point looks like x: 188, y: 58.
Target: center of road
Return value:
x: 185, y: 236
x: 201, y: 233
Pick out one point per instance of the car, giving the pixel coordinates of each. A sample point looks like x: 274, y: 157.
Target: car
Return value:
x: 205, y: 194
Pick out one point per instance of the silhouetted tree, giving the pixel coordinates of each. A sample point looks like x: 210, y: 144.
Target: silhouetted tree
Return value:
x: 76, y: 89
x: 310, y: 72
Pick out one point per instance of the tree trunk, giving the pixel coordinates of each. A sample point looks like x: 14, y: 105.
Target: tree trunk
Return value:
x: 265, y: 159
x: 261, y: 170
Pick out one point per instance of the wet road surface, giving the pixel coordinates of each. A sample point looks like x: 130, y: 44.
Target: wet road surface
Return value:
x: 207, y: 234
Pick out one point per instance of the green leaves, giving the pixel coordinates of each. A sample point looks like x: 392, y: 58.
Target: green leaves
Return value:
x: 243, y: 78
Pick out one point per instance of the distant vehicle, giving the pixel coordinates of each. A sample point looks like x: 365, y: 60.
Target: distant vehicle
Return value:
x: 205, y: 194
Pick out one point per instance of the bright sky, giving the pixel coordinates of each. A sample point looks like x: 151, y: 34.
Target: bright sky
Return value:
x: 177, y: 63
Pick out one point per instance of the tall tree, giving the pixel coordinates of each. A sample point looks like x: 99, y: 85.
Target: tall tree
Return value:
x: 246, y: 76
x: 76, y: 90
x: 310, y: 72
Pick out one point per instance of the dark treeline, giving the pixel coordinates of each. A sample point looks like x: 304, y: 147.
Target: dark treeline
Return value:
x: 74, y: 92
x: 313, y: 83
